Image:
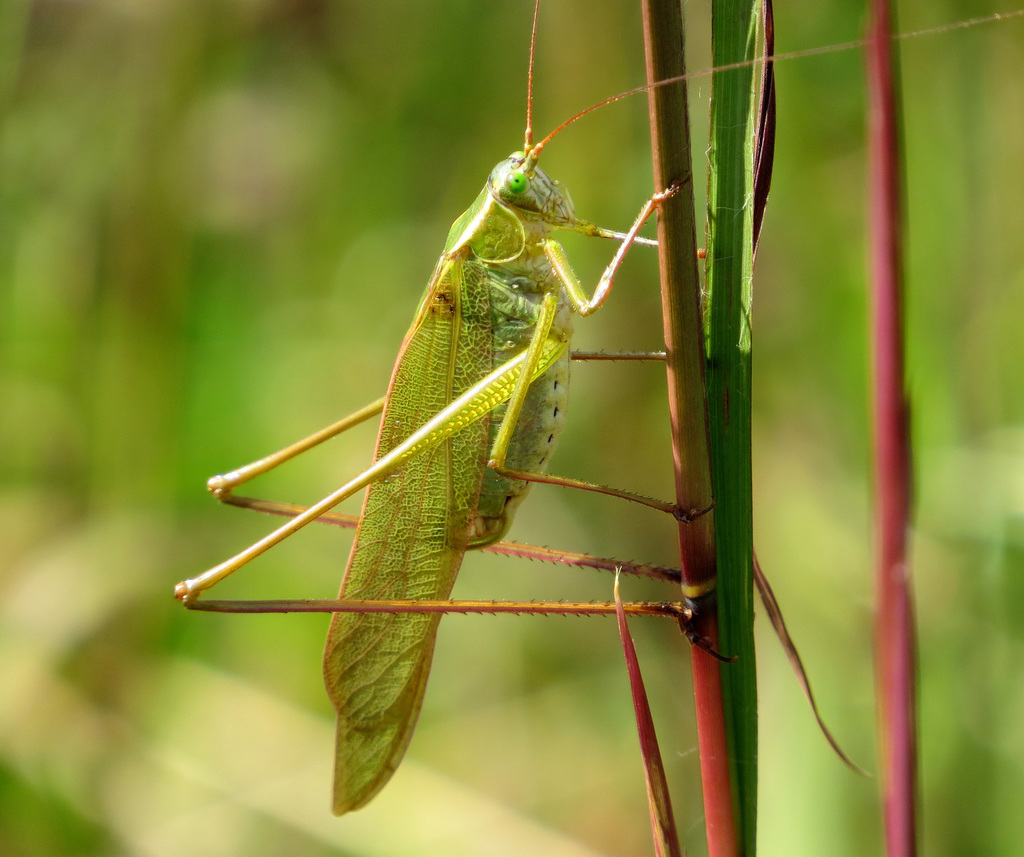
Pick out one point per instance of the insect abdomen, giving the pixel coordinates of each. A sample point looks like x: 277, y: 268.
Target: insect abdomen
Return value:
x: 515, y: 298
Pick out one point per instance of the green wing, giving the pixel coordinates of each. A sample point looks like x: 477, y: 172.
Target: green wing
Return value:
x: 411, y: 538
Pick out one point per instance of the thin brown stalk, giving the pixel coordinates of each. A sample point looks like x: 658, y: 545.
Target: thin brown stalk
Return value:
x: 684, y: 341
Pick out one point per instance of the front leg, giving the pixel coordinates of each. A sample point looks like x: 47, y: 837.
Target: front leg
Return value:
x: 560, y: 262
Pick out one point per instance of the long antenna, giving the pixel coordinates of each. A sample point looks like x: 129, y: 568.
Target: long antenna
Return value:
x: 533, y: 153
x: 528, y: 144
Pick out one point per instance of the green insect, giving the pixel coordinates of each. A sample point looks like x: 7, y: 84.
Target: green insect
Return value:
x: 496, y: 316
x: 473, y: 412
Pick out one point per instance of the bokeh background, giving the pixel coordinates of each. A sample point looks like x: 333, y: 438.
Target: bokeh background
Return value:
x: 216, y: 217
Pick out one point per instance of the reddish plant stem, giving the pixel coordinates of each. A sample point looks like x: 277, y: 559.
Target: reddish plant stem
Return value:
x: 684, y: 341
x: 895, y: 633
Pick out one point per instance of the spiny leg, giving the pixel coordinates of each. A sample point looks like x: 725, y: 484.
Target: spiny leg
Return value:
x: 223, y: 484
x: 670, y: 609
x: 535, y: 552
x: 584, y: 305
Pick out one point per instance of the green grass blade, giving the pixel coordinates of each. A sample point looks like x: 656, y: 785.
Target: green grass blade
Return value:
x: 729, y: 268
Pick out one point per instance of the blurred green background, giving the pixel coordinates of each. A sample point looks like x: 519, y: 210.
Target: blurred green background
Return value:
x: 215, y: 221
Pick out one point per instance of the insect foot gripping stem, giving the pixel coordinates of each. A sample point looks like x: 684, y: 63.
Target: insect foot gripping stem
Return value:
x: 668, y: 192
x: 703, y: 643
x: 688, y: 612
x: 685, y: 516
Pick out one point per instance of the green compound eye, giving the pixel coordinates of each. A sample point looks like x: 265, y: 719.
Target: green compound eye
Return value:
x: 516, y: 181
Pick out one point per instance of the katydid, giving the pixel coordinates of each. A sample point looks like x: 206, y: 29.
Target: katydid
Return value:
x: 473, y: 411
x: 501, y: 294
